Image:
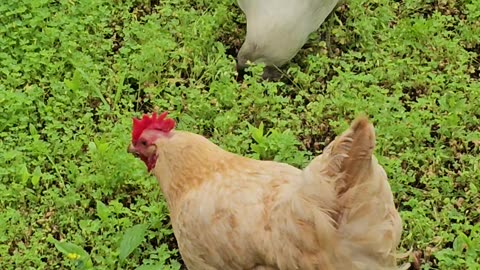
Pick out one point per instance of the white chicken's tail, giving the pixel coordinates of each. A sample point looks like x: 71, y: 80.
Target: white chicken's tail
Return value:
x: 368, y: 223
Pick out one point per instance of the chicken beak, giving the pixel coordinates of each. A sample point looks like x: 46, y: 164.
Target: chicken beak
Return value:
x: 131, y: 149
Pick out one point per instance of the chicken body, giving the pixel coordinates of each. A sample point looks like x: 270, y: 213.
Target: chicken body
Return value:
x: 230, y: 212
x: 277, y: 29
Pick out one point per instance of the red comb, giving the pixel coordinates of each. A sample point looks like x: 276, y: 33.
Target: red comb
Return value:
x: 159, y: 123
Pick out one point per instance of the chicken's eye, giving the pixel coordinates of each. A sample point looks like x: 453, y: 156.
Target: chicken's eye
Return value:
x: 143, y: 142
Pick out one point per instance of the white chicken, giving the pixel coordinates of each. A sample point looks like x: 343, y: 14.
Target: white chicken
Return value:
x: 277, y: 29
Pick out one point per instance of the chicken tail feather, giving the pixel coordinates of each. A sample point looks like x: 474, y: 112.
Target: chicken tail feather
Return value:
x: 367, y: 219
x: 353, y: 149
x: 365, y: 216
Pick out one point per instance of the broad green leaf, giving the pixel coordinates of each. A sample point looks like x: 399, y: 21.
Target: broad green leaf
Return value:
x: 24, y: 174
x: 72, y: 252
x: 461, y: 242
x: 74, y: 84
x: 473, y: 188
x: 92, y: 146
x: 102, y: 211
x: 257, y: 133
x: 37, y: 173
x: 132, y: 238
